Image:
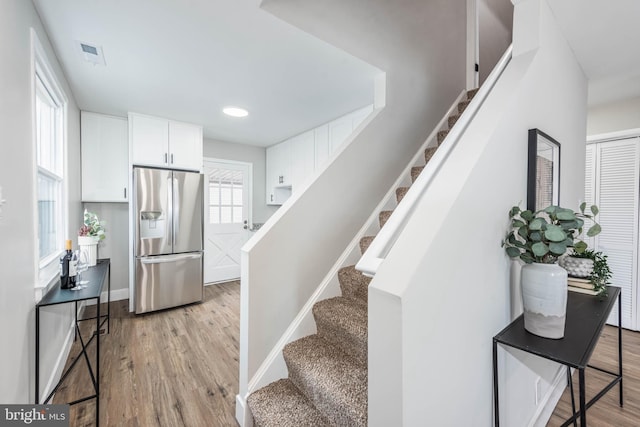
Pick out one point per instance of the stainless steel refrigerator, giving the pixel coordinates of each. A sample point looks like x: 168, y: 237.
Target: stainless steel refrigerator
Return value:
x: 168, y: 238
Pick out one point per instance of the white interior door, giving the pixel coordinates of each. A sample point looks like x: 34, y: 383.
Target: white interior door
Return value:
x: 615, y: 186
x: 226, y: 215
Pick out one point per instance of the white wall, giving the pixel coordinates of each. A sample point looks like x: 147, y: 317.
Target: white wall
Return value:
x: 495, y: 27
x: 444, y: 290
x: 422, y: 52
x: 115, y: 245
x: 250, y: 154
x: 615, y: 116
x: 18, y: 248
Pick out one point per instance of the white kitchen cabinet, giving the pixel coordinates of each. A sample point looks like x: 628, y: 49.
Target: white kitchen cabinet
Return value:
x: 292, y: 162
x: 303, y: 160
x: 321, y: 146
x: 185, y: 146
x: 279, y: 173
x: 339, y: 130
x: 105, y: 158
x: 156, y: 141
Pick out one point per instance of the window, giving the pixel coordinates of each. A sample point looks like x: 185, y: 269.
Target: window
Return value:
x: 49, y: 134
x: 225, y: 197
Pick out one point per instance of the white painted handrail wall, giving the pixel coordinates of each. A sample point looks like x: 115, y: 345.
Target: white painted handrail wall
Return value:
x: 379, y: 248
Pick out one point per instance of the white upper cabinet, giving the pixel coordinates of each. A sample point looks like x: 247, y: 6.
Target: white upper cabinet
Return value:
x: 149, y: 140
x: 185, y: 143
x: 278, y: 173
x: 165, y: 143
x: 303, y: 160
x: 321, y: 145
x: 292, y: 162
x: 105, y: 158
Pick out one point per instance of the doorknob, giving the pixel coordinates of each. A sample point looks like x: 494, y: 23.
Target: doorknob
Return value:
x: 246, y: 226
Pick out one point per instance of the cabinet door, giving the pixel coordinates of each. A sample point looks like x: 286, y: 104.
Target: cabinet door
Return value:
x: 149, y: 140
x: 185, y: 146
x: 303, y: 160
x: 105, y: 158
x: 278, y: 175
x: 358, y: 116
x: 321, y: 142
x: 339, y: 130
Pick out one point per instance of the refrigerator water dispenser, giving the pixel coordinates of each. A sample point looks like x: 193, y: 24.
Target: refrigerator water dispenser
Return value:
x: 152, y: 225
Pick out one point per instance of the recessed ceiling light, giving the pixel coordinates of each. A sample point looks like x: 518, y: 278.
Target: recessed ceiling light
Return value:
x: 235, y: 112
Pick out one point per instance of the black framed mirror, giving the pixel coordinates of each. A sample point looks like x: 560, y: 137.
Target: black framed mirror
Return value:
x: 543, y: 175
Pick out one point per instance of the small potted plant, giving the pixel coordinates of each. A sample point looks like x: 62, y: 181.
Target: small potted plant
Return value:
x: 539, y: 239
x: 599, y: 274
x: 89, y: 235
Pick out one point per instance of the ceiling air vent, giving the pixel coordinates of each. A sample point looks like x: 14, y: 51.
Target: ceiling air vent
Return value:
x: 91, y: 53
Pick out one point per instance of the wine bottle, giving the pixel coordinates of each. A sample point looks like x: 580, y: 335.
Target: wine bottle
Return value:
x: 64, y: 266
x: 73, y: 270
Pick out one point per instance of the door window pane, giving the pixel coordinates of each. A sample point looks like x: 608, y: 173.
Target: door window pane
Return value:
x: 226, y: 197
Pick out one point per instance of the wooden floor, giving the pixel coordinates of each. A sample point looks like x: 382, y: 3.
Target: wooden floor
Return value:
x: 180, y: 368
x: 171, y: 368
x: 607, y: 412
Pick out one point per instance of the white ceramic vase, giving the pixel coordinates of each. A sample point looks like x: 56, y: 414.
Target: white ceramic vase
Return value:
x: 544, y: 296
x: 89, y: 244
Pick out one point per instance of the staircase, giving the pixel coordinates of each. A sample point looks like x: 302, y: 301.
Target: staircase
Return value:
x: 327, y: 384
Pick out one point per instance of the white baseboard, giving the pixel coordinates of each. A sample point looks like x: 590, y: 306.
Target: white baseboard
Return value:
x: 116, y: 295
x: 243, y: 416
x: 550, y: 400
x: 221, y: 281
x: 61, y: 360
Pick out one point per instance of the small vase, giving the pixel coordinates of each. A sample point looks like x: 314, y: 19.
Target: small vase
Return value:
x: 577, y: 267
x: 89, y: 245
x: 544, y: 296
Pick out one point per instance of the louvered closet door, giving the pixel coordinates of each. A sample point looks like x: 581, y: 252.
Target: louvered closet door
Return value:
x: 616, y: 184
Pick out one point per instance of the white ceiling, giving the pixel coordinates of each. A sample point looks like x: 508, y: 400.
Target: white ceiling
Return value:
x: 605, y: 38
x: 186, y: 60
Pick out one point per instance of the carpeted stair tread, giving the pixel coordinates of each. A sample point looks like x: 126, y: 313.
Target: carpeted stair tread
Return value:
x: 343, y: 322
x: 365, y: 242
x: 353, y: 283
x: 334, y: 382
x: 452, y: 120
x: 281, y: 404
x: 471, y: 93
x: 442, y: 135
x: 415, y: 171
x: 463, y: 105
x: 428, y: 153
x: 400, y: 193
x: 383, y: 217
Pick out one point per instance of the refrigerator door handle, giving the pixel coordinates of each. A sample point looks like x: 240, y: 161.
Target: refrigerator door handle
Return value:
x: 169, y: 258
x: 169, y: 228
x: 176, y: 209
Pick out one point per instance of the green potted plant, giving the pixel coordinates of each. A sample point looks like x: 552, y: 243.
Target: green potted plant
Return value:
x: 89, y: 235
x: 538, y: 239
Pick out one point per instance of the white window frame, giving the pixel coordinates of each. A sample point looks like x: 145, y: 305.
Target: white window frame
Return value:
x: 47, y: 268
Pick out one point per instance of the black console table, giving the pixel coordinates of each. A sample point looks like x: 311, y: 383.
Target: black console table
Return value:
x: 97, y: 276
x: 586, y: 316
